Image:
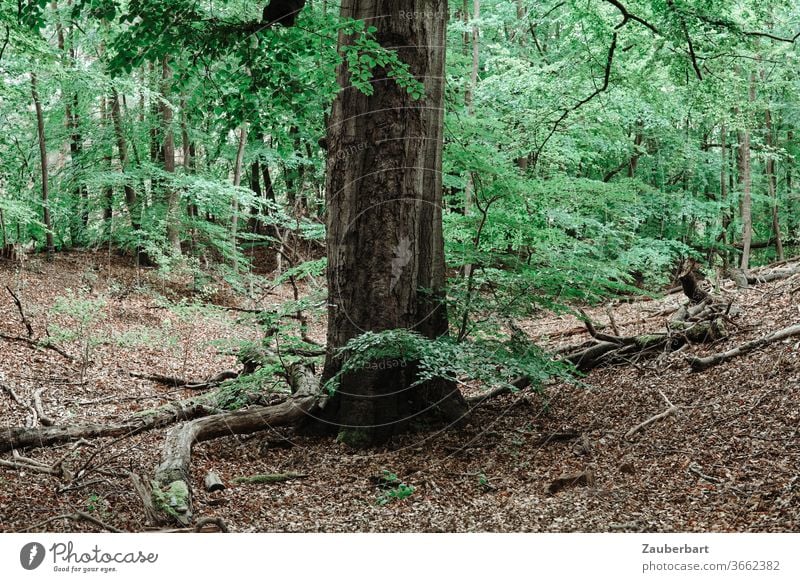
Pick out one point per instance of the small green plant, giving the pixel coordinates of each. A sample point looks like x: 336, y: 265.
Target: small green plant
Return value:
x: 394, y: 489
x: 96, y: 503
x: 81, y: 318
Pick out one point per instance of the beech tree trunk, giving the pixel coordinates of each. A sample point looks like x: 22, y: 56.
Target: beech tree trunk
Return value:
x: 172, y: 195
x: 746, y: 180
x: 384, y: 235
x: 50, y: 246
x: 772, y: 187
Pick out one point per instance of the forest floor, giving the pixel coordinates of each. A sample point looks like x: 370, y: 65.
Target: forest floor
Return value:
x: 728, y: 459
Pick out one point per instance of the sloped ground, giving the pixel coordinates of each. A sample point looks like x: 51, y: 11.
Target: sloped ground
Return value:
x: 729, y: 460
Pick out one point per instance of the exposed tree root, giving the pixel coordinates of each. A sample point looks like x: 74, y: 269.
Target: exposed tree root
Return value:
x: 172, y: 491
x: 700, y: 364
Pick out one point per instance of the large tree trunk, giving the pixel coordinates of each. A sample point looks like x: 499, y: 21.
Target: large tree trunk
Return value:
x: 384, y: 236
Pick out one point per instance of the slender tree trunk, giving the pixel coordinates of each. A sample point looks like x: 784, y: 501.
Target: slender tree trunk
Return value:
x: 384, y: 235
x: 237, y: 180
x: 469, y: 190
x: 746, y: 181
x: 769, y: 167
x: 723, y: 191
x: 72, y: 123
x: 172, y: 194
x: 50, y: 246
x: 794, y: 207
x: 131, y: 199
x: 108, y: 191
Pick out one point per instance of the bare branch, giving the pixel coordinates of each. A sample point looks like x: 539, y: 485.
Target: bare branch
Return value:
x: 627, y: 16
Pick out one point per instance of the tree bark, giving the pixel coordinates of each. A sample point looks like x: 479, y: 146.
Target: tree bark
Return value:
x: 50, y: 246
x: 108, y: 190
x: 172, y: 195
x: 131, y: 199
x: 469, y: 190
x: 384, y: 236
x: 772, y: 186
x: 746, y: 180
x: 237, y: 180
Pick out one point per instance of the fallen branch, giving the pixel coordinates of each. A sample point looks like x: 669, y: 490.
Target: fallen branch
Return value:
x: 773, y: 275
x: 188, y: 384
x: 269, y: 478
x: 516, y: 384
x: 37, y: 345
x: 672, y: 409
x: 32, y: 420
x: 172, y: 492
x: 18, y: 303
x: 27, y: 438
x: 700, y: 364
x: 37, y: 406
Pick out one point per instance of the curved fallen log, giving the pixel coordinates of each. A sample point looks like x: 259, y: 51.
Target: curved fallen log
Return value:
x: 700, y: 364
x: 29, y: 438
x: 172, y: 491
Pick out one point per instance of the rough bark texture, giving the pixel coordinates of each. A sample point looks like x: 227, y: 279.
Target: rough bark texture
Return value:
x: 385, y: 245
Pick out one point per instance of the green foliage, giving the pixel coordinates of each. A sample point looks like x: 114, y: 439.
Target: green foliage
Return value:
x: 393, y: 489
x: 488, y: 358
x: 76, y: 319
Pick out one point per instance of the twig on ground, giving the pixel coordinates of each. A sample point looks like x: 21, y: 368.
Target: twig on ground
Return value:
x: 18, y: 303
x: 77, y: 516
x: 672, y: 409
